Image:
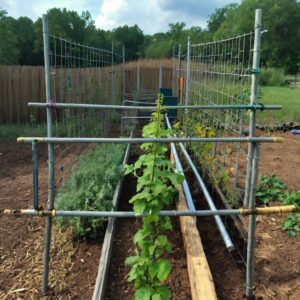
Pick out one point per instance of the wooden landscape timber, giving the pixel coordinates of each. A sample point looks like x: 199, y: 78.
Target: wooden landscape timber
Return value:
x: 201, y: 281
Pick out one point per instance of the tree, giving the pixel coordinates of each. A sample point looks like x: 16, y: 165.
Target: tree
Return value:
x: 281, y: 44
x: 131, y: 37
x: 9, y: 52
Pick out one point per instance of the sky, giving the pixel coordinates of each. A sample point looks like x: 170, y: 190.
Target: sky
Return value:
x: 150, y: 15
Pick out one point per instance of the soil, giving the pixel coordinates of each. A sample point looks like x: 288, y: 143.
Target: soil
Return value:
x: 73, y: 263
x: 73, y: 269
x: 277, y: 257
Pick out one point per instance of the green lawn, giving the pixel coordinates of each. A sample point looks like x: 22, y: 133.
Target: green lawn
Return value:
x: 288, y: 97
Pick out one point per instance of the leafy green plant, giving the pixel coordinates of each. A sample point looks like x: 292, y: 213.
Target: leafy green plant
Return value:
x: 156, y: 188
x: 91, y: 187
x: 273, y: 189
x: 269, y: 188
x: 291, y: 223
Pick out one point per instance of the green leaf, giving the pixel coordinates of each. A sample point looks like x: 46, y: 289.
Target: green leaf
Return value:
x: 143, y: 293
x: 164, y: 269
x: 131, y: 260
x: 161, y: 293
x: 139, y: 206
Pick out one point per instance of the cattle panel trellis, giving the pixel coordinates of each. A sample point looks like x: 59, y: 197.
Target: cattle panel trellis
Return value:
x: 215, y: 94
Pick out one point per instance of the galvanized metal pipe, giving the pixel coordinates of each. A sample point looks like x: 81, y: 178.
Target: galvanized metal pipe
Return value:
x: 222, y: 229
x: 51, y: 186
x: 57, y: 140
x: 127, y: 107
x: 123, y: 73
x: 252, y: 226
x: 35, y: 175
x: 253, y: 99
x: 164, y: 213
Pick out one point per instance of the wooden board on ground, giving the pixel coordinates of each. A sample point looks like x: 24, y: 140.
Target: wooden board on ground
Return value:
x: 202, y: 285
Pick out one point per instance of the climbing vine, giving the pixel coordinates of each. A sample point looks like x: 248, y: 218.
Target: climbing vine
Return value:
x: 156, y: 188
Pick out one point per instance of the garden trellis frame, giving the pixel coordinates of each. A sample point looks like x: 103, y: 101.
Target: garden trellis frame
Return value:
x: 210, y: 109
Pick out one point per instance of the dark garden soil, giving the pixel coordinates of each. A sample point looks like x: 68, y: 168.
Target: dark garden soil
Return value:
x: 74, y: 264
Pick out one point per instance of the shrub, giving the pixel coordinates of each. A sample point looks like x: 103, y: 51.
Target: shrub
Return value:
x: 91, y: 187
x: 272, y: 77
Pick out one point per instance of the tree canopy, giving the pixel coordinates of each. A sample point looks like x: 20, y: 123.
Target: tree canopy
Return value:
x: 21, y: 39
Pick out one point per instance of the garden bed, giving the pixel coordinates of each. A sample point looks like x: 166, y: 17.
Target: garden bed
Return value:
x: 21, y: 240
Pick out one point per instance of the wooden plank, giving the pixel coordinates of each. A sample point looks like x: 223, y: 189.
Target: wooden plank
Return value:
x: 201, y: 281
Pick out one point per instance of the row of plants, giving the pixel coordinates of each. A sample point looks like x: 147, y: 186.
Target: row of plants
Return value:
x: 270, y: 189
x: 204, y: 156
x: 91, y: 186
x: 157, y: 179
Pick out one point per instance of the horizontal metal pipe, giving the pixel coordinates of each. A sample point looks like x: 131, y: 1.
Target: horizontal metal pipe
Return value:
x: 57, y: 140
x: 126, y: 107
x: 163, y: 213
x: 136, y: 117
x: 224, y: 234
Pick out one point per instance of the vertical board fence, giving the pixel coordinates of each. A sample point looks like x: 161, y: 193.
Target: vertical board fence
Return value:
x: 22, y: 84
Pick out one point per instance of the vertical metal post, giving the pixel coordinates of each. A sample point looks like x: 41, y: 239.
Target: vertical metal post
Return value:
x: 51, y: 186
x: 179, y: 77
x: 123, y: 87
x: 173, y: 69
x: 35, y: 175
x: 138, y: 78
x: 112, y: 73
x: 253, y: 100
x: 160, y: 80
x: 187, y: 82
x: 252, y: 226
x: 123, y: 71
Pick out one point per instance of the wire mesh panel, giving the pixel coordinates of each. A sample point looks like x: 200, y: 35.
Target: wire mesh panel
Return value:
x: 220, y: 73
x: 82, y: 74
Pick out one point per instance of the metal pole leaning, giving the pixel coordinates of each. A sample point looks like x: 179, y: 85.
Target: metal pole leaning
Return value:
x: 224, y: 234
x: 185, y: 186
x: 51, y: 187
x: 252, y: 226
x: 253, y: 99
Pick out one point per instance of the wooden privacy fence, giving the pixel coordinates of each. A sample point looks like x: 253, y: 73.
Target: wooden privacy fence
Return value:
x: 22, y: 84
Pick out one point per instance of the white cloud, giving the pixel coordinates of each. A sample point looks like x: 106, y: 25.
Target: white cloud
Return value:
x: 150, y: 15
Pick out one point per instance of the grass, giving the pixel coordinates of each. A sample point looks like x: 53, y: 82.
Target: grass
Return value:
x: 10, y: 132
x: 288, y: 97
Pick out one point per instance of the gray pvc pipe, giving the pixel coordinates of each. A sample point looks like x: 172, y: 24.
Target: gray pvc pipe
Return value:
x: 224, y: 234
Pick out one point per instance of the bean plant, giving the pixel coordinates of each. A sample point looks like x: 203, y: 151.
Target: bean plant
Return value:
x: 156, y: 189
